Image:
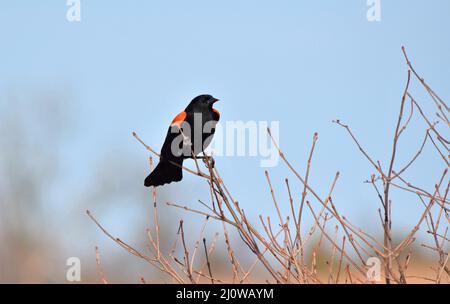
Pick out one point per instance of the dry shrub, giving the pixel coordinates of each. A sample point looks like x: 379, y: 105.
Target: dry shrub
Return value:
x: 279, y: 247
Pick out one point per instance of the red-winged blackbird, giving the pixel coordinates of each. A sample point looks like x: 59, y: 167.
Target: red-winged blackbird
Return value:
x: 189, y: 134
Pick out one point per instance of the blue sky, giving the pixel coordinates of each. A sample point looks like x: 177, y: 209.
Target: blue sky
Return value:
x: 131, y: 66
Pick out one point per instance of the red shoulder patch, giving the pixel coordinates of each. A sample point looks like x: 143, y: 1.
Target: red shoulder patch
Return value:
x: 179, y: 118
x: 217, y: 112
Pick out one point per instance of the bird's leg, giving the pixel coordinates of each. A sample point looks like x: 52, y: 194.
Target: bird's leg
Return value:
x: 207, y: 159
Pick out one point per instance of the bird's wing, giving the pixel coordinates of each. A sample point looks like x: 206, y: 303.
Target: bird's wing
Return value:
x: 172, y: 133
x: 179, y: 118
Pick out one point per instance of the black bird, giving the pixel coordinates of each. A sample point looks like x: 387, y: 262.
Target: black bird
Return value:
x: 189, y: 134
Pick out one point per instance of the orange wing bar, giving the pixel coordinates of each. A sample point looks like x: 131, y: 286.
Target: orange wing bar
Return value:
x: 179, y: 118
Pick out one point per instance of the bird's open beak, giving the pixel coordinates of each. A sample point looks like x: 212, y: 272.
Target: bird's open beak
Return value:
x: 214, y: 100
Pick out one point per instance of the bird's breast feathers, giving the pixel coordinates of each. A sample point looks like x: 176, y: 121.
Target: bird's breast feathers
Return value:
x: 217, y: 113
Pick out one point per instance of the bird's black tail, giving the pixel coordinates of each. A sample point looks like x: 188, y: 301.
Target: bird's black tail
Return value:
x: 165, y: 173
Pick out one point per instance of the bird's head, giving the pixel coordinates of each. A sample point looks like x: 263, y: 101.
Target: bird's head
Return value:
x: 201, y: 102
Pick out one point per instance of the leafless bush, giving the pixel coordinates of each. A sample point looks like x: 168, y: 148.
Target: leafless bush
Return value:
x: 280, y: 246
